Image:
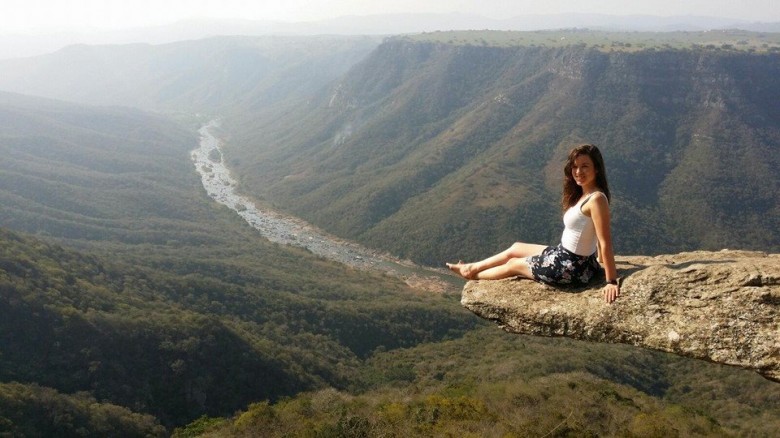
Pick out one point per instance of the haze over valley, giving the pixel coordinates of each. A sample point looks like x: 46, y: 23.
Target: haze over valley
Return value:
x: 133, y: 303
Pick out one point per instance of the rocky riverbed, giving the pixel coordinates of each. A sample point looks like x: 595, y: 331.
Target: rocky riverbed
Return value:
x: 287, y: 230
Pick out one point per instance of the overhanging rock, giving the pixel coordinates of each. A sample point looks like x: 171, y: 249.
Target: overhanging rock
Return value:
x: 723, y: 307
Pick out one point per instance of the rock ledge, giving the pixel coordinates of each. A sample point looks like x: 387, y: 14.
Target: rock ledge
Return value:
x: 722, y: 307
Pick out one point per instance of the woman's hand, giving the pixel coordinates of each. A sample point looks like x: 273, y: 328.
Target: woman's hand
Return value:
x: 611, y: 292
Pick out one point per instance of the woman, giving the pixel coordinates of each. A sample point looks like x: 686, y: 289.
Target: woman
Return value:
x: 586, y: 238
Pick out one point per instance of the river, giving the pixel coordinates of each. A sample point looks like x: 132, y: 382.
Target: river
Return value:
x: 287, y: 230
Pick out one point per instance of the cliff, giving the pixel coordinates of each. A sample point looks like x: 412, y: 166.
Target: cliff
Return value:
x: 723, y: 307
x: 434, y: 151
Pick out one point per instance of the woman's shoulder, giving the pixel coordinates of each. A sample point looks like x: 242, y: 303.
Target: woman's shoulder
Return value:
x: 596, y: 196
x: 596, y: 200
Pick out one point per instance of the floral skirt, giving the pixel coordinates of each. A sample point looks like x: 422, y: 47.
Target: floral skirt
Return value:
x: 558, y: 265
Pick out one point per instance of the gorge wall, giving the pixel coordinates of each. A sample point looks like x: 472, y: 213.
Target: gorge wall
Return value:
x: 434, y: 149
x: 722, y: 307
x: 439, y: 151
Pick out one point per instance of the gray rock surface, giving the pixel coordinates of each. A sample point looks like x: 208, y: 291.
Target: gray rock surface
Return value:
x: 723, y: 307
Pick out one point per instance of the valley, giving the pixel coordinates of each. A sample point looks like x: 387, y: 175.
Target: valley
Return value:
x: 121, y: 245
x: 268, y: 274
x: 287, y: 230
x: 435, y: 150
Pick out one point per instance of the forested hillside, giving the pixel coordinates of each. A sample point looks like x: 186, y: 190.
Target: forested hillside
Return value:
x: 32, y: 410
x: 440, y: 149
x: 173, y: 306
x: 490, y: 383
x: 97, y: 173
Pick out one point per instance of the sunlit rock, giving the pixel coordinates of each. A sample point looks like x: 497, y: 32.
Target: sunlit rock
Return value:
x: 723, y: 307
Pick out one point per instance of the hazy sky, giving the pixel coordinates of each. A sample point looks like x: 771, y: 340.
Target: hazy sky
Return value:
x: 36, y: 15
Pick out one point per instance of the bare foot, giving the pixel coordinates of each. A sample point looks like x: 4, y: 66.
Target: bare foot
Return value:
x: 462, y: 269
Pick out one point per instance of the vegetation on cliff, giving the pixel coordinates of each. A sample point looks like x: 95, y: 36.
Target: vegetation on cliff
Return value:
x: 490, y: 383
x: 611, y: 41
x: 32, y: 410
x: 437, y: 150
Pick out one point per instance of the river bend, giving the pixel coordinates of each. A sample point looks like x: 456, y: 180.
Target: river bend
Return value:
x: 283, y: 229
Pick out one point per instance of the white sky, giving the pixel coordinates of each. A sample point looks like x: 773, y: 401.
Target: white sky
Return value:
x: 48, y: 15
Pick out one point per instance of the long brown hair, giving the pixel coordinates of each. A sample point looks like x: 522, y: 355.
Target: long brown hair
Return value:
x: 571, y: 191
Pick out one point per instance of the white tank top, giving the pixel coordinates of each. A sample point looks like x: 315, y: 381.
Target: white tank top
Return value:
x: 579, y: 233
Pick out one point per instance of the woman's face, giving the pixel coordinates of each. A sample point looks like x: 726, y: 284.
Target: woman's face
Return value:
x: 583, y: 171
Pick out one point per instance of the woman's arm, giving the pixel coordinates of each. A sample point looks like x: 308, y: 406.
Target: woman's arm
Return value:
x: 598, y: 210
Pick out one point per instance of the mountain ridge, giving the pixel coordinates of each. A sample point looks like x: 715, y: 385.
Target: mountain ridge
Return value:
x: 419, y: 127
x: 189, y: 77
x: 25, y: 45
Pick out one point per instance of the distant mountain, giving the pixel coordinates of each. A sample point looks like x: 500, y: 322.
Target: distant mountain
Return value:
x: 193, y: 76
x: 628, y: 23
x: 16, y: 45
x: 440, y: 150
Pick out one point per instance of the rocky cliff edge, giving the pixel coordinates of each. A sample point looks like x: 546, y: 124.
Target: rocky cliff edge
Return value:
x: 723, y: 307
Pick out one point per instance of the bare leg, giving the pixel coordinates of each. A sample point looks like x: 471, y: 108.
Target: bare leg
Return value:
x: 518, y: 250
x: 512, y: 268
